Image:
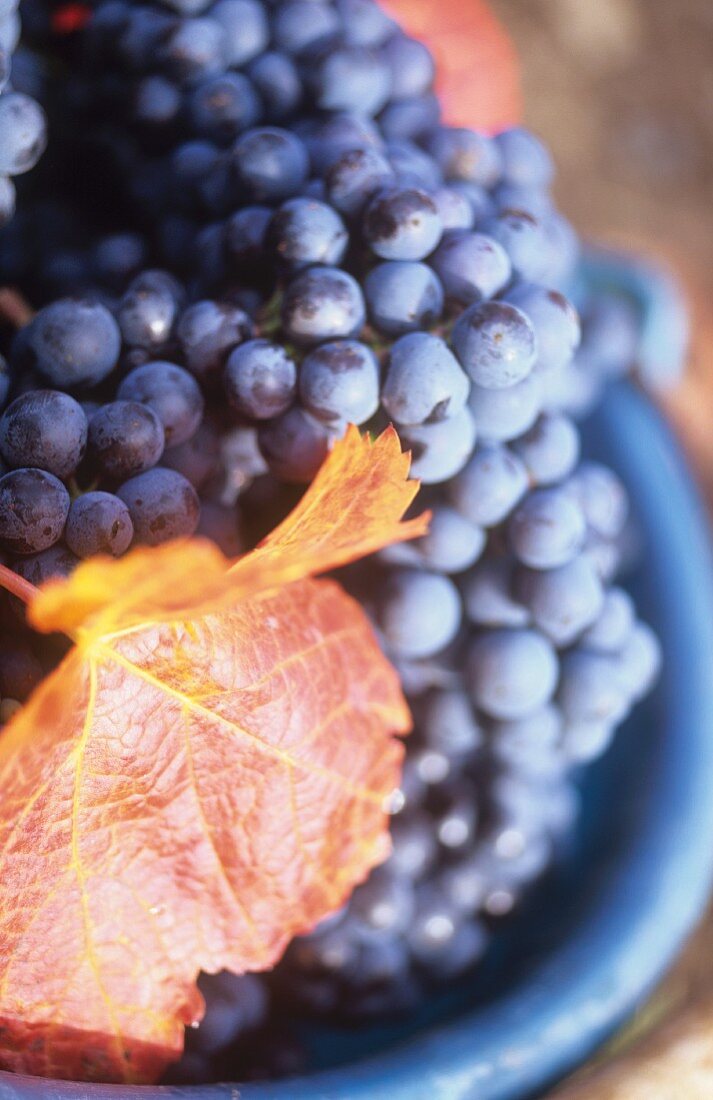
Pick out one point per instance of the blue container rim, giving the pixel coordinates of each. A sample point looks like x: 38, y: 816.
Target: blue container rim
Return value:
x: 568, y: 1004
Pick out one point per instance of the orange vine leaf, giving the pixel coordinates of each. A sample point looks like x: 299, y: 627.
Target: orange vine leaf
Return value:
x: 204, y: 776
x: 477, y: 67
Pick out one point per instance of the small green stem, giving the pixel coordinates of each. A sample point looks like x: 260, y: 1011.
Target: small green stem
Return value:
x: 17, y: 585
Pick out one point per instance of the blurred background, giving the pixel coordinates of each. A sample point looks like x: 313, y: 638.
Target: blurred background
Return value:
x: 622, y: 90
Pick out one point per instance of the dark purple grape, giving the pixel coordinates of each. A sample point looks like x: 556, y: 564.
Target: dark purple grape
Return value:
x: 294, y: 445
x: 171, y: 392
x: 74, y: 343
x: 303, y: 232
x: 148, y: 310
x: 402, y: 223
x: 46, y: 429
x: 322, y: 303
x: 207, y: 333
x: 125, y: 438
x: 271, y: 164
x: 339, y: 382
x: 260, y: 380
x: 162, y: 505
x: 98, y: 523
x: 33, y: 510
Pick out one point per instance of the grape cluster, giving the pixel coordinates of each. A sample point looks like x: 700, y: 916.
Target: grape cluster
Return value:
x: 327, y: 252
x: 23, y: 131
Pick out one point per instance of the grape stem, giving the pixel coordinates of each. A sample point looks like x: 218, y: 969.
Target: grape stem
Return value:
x: 17, y: 585
x: 14, y: 309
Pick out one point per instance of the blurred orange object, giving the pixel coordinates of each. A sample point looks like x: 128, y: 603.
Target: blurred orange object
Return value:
x: 478, y: 73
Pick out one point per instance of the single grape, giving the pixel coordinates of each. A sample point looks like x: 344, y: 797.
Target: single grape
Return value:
x: 471, y: 266
x: 490, y: 486
x: 157, y: 101
x: 602, y: 497
x: 23, y: 133
x: 148, y: 310
x: 511, y: 673
x: 294, y: 445
x: 245, y: 29
x: 403, y: 297
x: 171, y: 392
x: 563, y: 601
x: 505, y: 414
x: 349, y: 78
x: 125, y: 438
x: 524, y: 238
x: 456, y: 212
x: 412, y: 66
x: 46, y: 429
x: 639, y: 661
x: 271, y: 164
x: 440, y: 450
x: 488, y: 595
x: 322, y: 303
x: 365, y: 23
x: 260, y: 379
x: 98, y: 523
x: 466, y: 155
x: 402, y: 223
x: 549, y: 450
x: 300, y: 24
x: 419, y: 613
x: 584, y: 742
x: 207, y: 332
x: 452, y: 543
x: 525, y: 160
x: 74, y: 343
x: 612, y: 627
x: 354, y: 177
x: 193, y: 50
x: 495, y: 344
x: 224, y: 105
x: 33, y: 510
x: 339, y: 381
x: 547, y: 529
x: 276, y: 80
x: 304, y: 232
x: 424, y: 383
x: 555, y: 322
x: 162, y: 505
x: 591, y: 688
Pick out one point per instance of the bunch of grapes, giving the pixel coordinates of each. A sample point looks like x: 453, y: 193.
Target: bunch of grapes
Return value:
x: 331, y: 253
